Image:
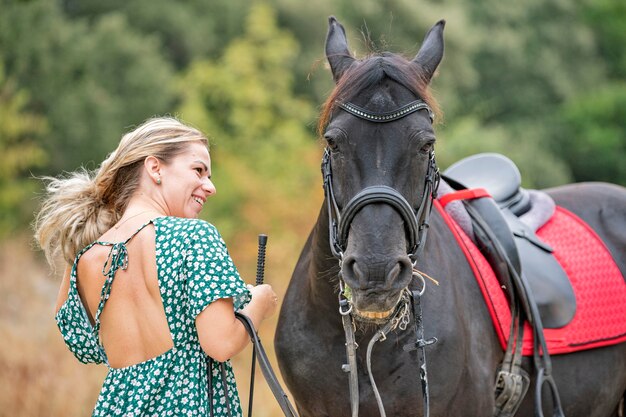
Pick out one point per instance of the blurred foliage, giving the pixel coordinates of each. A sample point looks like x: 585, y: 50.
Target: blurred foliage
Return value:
x: 89, y: 79
x: 19, y: 152
x: 592, y: 138
x: 245, y: 100
x: 468, y: 137
x: 542, y: 81
x: 527, y: 77
x: 607, y: 19
x: 186, y: 30
x: 591, y: 134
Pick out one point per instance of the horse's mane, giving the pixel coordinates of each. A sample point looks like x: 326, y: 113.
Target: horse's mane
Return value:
x: 369, y: 72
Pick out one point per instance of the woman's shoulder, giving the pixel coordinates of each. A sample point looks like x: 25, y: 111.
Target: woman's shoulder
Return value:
x: 181, y: 226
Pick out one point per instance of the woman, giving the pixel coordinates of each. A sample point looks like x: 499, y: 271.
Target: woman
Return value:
x: 150, y: 290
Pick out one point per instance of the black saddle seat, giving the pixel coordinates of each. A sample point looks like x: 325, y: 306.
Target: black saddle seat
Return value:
x: 497, y: 174
x: 533, y: 260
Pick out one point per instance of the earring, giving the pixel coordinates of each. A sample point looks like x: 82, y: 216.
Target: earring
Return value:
x: 158, y: 181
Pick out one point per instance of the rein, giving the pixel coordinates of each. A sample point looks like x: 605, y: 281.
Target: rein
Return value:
x: 416, y: 225
x: 266, y: 368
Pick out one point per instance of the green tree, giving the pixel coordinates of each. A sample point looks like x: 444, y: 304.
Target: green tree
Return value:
x: 92, y: 79
x: 526, y: 148
x: 19, y: 153
x: 531, y: 57
x: 592, y: 137
x: 607, y: 19
x: 506, y: 70
x: 591, y: 134
x: 186, y: 30
x: 262, y: 143
x: 372, y: 25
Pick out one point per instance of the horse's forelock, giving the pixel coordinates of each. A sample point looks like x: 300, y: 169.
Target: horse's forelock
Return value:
x: 369, y: 72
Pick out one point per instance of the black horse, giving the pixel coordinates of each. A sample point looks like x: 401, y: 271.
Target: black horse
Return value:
x: 376, y: 263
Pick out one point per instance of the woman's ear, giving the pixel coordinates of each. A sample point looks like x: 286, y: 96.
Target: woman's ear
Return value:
x: 152, y: 165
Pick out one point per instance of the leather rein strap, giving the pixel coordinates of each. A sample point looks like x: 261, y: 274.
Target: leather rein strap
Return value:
x: 266, y: 368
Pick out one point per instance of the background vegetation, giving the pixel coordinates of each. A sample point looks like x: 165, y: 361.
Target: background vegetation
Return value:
x: 543, y: 81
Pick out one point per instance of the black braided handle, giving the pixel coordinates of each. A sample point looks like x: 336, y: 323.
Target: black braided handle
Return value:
x: 260, y: 262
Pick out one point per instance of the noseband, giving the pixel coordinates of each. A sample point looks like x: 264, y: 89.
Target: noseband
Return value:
x: 416, y: 225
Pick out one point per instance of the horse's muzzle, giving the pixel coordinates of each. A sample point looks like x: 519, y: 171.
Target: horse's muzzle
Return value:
x: 375, y: 308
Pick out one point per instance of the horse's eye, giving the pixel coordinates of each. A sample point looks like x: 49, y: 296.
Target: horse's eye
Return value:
x: 427, y: 147
x: 332, y: 137
x: 330, y: 140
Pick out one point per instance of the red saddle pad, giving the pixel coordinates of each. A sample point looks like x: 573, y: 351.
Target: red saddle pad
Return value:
x: 599, y: 287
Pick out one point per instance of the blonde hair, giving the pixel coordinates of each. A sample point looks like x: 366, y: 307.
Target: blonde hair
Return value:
x: 81, y: 206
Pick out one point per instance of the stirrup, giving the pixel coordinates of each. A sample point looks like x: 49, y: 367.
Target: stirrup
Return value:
x: 510, y: 391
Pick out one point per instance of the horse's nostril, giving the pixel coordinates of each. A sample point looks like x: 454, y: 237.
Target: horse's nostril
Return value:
x: 399, y: 275
x: 394, y: 272
x: 350, y: 272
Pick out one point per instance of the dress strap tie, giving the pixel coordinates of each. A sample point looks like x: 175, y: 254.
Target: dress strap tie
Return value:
x: 117, y: 259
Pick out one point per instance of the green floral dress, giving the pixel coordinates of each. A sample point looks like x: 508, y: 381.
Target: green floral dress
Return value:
x: 194, y: 269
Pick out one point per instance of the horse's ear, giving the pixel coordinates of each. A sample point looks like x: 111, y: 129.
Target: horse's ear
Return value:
x: 337, y: 52
x: 430, y: 53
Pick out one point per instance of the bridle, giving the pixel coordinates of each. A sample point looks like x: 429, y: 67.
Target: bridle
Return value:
x: 416, y: 222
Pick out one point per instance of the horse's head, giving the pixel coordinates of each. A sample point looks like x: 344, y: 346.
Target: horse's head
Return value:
x: 379, y: 166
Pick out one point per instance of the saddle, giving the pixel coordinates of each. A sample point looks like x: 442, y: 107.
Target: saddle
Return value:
x: 500, y: 179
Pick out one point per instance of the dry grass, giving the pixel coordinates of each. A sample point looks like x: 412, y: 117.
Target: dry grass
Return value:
x: 38, y: 375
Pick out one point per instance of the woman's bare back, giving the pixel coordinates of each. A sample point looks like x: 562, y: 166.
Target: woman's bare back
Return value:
x: 134, y: 327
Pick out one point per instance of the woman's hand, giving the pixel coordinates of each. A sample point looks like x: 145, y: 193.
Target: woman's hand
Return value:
x: 264, y: 298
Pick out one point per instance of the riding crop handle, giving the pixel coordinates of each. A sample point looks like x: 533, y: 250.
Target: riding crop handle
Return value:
x: 260, y: 262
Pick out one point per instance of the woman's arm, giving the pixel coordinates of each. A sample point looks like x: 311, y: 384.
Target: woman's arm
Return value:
x: 221, y: 335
